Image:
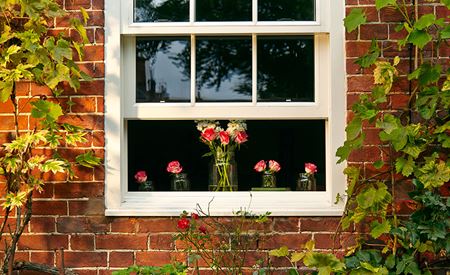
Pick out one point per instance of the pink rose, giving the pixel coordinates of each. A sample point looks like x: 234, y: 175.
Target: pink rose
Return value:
x: 310, y: 168
x: 140, y: 177
x: 224, y: 137
x: 274, y: 166
x: 194, y: 216
x: 260, y: 166
x: 209, y: 134
x: 241, y: 137
x: 174, y: 167
x: 183, y: 223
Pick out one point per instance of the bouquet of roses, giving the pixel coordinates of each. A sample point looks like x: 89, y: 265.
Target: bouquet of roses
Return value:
x: 222, y: 143
x: 269, y: 167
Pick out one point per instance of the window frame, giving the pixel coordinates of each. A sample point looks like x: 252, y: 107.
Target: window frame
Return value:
x: 329, y: 104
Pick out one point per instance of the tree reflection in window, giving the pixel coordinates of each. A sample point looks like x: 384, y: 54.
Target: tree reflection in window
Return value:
x: 161, y: 10
x: 286, y: 10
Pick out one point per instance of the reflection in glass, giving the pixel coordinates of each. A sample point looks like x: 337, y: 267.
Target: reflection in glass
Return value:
x: 223, y: 10
x: 286, y: 68
x: 161, y: 10
x: 286, y: 10
x: 163, y: 69
x: 223, y: 69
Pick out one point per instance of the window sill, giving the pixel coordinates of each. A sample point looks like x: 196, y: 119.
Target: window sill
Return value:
x: 224, y: 203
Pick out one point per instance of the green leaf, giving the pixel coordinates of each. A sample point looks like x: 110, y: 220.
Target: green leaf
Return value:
x: 297, y: 256
x: 47, y: 110
x: 327, y: 262
x: 379, y: 4
x: 390, y: 261
x: 419, y: 38
x: 85, y: 15
x: 446, y: 3
x: 80, y: 29
x: 354, y: 128
x: 369, y: 58
x: 280, y: 252
x: 355, y: 19
x: 6, y: 88
x: 445, y: 33
x: 378, y: 164
x: 88, y: 160
x: 425, y: 21
x: 54, y: 165
x: 379, y: 229
x: 405, y: 167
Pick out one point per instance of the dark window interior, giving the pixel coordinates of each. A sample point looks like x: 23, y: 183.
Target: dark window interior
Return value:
x: 152, y: 144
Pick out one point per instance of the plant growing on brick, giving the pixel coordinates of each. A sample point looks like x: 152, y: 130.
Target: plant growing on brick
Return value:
x: 29, y: 54
x: 414, y: 142
x: 224, y: 245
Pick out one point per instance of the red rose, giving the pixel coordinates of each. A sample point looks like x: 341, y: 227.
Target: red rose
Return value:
x: 209, y: 134
x: 224, y: 137
x: 310, y: 168
x: 241, y: 137
x: 194, y: 216
x: 174, y: 167
x: 183, y: 224
x: 140, y: 177
x: 260, y: 166
x: 274, y: 166
x: 202, y: 229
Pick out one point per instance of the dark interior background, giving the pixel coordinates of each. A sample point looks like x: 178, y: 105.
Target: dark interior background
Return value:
x: 152, y: 144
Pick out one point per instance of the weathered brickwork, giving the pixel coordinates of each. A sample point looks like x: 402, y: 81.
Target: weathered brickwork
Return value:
x: 70, y: 215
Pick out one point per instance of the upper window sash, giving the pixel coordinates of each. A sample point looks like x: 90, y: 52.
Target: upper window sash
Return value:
x: 319, y: 25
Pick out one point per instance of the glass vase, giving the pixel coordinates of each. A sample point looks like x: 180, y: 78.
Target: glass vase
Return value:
x: 269, y: 180
x: 146, y: 186
x: 223, y: 173
x: 306, y: 182
x: 180, y: 182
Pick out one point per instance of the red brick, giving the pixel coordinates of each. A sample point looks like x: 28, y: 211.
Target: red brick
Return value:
x: 95, y: 87
x: 46, y: 193
x: 286, y: 225
x: 156, y: 225
x: 121, y: 259
x: 399, y: 101
x: 327, y: 224
x: 118, y: 241
x: 91, y: 207
x: 83, y: 105
x: 47, y: 258
x: 42, y: 224
x: 161, y: 241
x: 23, y: 88
x: 360, y: 83
x: 373, y: 31
x: 324, y: 241
x: 153, y: 258
x: 292, y: 241
x: 6, y: 107
x: 98, y: 4
x: 82, y: 242
x: 40, y: 90
x: 84, y: 259
x: 43, y: 242
x: 7, y: 122
x: 50, y: 207
x: 100, y: 105
x: 82, y: 225
x: 365, y: 154
x: 93, y: 53
x: 124, y: 225
x: 357, y: 48
x: 79, y: 190
x: 90, y: 122
x: 83, y: 173
x: 99, y: 36
x: 96, y: 18
x: 77, y: 4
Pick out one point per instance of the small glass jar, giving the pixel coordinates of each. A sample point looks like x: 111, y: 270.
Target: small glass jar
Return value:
x: 306, y: 182
x: 180, y: 182
x: 146, y: 186
x: 269, y: 180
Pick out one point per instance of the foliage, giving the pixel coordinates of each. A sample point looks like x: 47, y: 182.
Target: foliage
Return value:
x: 223, y: 244
x: 168, y: 269
x: 29, y: 54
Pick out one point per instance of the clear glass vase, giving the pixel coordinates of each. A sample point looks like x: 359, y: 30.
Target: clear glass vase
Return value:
x: 269, y: 180
x: 146, y: 186
x: 223, y: 173
x: 180, y: 182
x: 306, y: 182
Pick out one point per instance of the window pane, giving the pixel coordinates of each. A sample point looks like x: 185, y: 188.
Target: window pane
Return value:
x: 223, y: 69
x: 286, y: 68
x: 163, y: 69
x: 161, y: 10
x: 286, y: 10
x: 292, y: 143
x: 223, y: 10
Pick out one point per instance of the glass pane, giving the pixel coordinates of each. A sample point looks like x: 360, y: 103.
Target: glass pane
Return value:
x: 286, y: 10
x: 161, y: 10
x: 286, y: 68
x: 223, y: 10
x: 292, y: 144
x: 163, y: 69
x: 223, y: 69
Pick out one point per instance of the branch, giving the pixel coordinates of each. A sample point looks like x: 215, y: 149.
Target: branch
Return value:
x: 40, y: 268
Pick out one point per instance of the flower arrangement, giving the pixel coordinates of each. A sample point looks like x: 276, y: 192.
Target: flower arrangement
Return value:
x: 222, y: 144
x: 310, y: 168
x: 269, y: 167
x: 174, y: 167
x: 142, y: 180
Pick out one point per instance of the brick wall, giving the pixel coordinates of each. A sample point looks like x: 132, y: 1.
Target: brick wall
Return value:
x: 70, y: 215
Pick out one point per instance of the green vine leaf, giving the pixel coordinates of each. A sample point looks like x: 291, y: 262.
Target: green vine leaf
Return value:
x: 54, y: 165
x: 369, y: 58
x: 356, y: 18
x: 434, y: 175
x: 379, y: 4
x: 405, y: 166
x: 379, y: 229
x: 419, y: 38
x: 280, y: 252
x: 425, y: 21
x: 88, y: 160
x: 6, y: 88
x: 47, y: 110
x: 446, y: 3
